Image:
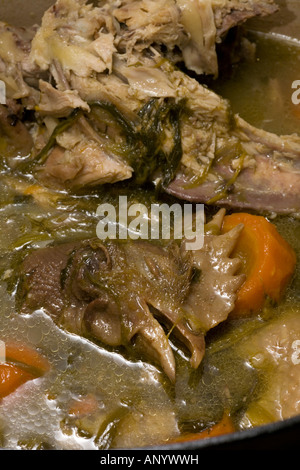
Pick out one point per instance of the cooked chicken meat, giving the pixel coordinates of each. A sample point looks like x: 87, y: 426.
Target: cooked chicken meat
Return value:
x: 84, y: 163
x: 261, y: 172
x: 192, y: 27
x: 122, y: 294
x: 153, y: 122
x: 58, y: 103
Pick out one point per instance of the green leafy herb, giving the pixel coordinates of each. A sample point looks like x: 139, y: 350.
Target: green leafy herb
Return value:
x: 63, y: 126
x: 144, y: 137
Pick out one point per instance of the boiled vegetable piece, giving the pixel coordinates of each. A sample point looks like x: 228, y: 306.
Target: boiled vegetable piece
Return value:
x: 268, y: 261
x: 22, y: 364
x: 12, y: 377
x: 274, y: 350
x: 225, y: 426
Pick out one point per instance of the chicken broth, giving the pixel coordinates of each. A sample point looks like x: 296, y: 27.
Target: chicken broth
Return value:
x: 133, y: 394
x: 103, y: 397
x: 266, y: 77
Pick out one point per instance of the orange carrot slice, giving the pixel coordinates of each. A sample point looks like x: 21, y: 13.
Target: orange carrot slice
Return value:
x: 11, y: 377
x: 84, y: 406
x: 225, y: 426
x: 22, y: 363
x: 268, y: 261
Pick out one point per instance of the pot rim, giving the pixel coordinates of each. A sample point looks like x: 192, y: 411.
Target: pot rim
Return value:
x: 277, y: 435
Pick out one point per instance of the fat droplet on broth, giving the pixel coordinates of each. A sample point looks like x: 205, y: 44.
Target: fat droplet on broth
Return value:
x: 37, y: 408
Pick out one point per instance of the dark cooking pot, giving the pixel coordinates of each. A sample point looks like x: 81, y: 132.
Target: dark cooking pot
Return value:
x: 283, y: 435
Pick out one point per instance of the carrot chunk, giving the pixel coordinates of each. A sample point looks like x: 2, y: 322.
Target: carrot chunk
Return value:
x: 26, y: 357
x: 225, y: 426
x: 22, y: 363
x: 11, y: 377
x: 268, y: 261
x: 84, y: 406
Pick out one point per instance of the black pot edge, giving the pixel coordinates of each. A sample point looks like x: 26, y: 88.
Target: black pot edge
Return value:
x: 276, y: 436
x: 279, y: 435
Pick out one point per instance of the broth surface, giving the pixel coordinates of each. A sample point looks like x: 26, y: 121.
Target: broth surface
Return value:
x: 137, y: 404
